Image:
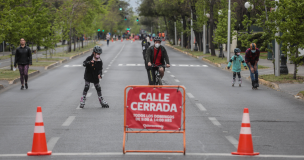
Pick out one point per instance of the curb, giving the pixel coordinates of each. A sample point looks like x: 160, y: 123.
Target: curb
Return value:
x: 216, y: 64
x: 18, y: 79
x: 63, y: 61
x: 267, y: 83
x: 51, y: 66
x: 298, y: 96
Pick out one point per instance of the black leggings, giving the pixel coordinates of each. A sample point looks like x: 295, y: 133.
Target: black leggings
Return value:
x: 87, y: 87
x: 23, y: 69
x: 238, y: 73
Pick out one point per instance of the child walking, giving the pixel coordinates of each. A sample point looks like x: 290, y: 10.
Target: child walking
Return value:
x: 93, y: 73
x: 237, y: 60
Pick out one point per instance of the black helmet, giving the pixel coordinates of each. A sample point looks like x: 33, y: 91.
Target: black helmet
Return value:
x: 237, y: 50
x: 157, y: 39
x: 97, y: 49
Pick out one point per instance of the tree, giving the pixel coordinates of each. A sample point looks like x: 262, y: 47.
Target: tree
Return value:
x: 289, y: 18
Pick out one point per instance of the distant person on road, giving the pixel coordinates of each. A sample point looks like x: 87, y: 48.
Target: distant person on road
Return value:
x: 108, y: 38
x: 251, y: 58
x: 93, y: 73
x: 237, y: 61
x: 23, y: 58
x: 156, y: 55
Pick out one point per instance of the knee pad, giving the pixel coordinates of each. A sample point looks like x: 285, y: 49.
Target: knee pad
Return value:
x: 234, y: 73
x: 98, y: 88
x: 238, y: 73
x: 86, y: 87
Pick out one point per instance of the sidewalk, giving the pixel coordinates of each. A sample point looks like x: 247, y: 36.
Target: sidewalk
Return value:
x: 290, y: 88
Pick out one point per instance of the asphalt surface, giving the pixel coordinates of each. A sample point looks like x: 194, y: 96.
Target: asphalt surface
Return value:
x: 213, y: 112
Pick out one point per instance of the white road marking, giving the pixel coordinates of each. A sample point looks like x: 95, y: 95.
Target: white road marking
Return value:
x: 120, y: 64
x: 76, y: 65
x: 168, y: 71
x: 173, y: 65
x: 68, y: 121
x: 89, y: 94
x: 78, y: 107
x: 183, y: 65
x: 214, y: 121
x: 233, y: 141
x: 167, y: 154
x: 172, y: 76
x: 176, y: 80
x: 51, y: 143
x: 201, y: 107
x: 205, y: 66
x: 131, y: 64
x: 66, y: 65
x: 190, y: 95
x: 107, y: 68
x: 105, y: 71
x: 109, y: 65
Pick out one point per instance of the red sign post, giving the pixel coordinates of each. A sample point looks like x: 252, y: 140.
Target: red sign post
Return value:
x: 154, y: 107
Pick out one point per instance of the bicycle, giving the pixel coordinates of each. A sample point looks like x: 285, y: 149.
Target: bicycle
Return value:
x: 158, y: 80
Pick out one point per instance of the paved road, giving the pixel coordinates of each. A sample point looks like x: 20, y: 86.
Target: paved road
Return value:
x: 93, y: 132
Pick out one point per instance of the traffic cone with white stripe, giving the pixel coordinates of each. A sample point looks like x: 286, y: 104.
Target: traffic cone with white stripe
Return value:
x: 39, y: 146
x: 121, y: 39
x: 245, y: 141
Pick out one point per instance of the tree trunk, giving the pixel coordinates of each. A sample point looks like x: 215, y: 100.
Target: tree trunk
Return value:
x: 184, y: 33
x: 74, y: 43
x: 166, y: 27
x: 295, y: 65
x: 211, y: 27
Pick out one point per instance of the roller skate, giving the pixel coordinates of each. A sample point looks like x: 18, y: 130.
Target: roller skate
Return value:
x: 233, y: 82
x: 104, y: 104
x: 240, y: 82
x: 254, y: 85
x: 82, y: 101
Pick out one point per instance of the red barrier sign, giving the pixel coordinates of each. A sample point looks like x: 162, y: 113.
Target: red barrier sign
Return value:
x: 154, y: 108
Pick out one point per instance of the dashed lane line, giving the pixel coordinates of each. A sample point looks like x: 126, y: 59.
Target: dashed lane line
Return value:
x: 233, y: 141
x: 69, y: 120
x: 214, y: 121
x: 52, y: 142
x: 172, y: 75
x: 201, y: 107
x: 190, y: 95
x: 176, y: 80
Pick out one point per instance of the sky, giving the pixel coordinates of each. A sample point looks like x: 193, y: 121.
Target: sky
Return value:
x: 133, y: 4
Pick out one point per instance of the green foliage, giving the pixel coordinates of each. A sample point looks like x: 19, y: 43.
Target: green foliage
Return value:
x: 222, y: 23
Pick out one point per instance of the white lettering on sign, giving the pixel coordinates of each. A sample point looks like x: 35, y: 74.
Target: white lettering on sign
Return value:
x: 162, y: 107
x: 153, y: 97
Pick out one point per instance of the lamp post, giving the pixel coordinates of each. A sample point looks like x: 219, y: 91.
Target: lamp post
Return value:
x: 248, y: 6
x: 207, y: 45
x: 221, y: 46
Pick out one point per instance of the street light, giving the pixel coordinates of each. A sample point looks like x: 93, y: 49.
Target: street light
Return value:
x: 248, y: 6
x: 221, y: 45
x: 207, y: 45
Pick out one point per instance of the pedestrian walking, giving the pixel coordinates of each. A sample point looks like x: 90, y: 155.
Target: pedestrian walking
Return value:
x: 108, y: 38
x: 23, y: 58
x: 93, y: 73
x: 251, y: 58
x: 237, y: 61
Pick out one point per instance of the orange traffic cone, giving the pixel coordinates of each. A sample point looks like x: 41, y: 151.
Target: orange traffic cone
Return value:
x: 133, y: 40
x: 39, y: 141
x: 121, y: 39
x: 112, y: 39
x: 151, y: 40
x: 245, y: 141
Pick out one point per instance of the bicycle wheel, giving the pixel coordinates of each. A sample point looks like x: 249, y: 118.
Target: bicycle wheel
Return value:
x: 159, y: 81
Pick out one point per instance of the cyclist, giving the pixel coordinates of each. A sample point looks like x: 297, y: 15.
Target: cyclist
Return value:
x: 156, y: 55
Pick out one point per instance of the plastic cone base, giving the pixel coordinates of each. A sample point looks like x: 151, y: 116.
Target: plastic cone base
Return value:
x: 39, y: 153
x: 246, y: 154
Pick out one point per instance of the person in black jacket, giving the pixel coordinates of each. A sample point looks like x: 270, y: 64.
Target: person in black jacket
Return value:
x: 93, y: 73
x: 23, y: 58
x: 156, y: 55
